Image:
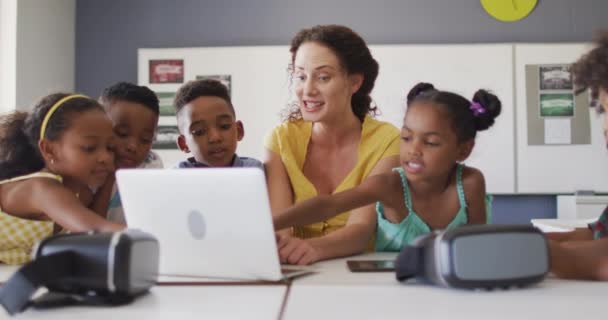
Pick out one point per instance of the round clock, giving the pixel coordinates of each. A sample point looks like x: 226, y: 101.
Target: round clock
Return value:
x: 508, y: 10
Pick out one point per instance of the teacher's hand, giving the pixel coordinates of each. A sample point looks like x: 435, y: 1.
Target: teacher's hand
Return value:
x: 294, y: 250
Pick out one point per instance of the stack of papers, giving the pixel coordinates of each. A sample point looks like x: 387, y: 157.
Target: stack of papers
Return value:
x: 560, y: 225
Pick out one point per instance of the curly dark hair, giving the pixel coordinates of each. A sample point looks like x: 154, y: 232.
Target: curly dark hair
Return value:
x: 591, y: 70
x: 20, y: 132
x: 354, y: 56
x: 464, y: 121
x: 126, y: 91
x: 201, y: 88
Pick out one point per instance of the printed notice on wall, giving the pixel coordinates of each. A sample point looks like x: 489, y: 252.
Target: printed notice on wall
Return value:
x: 557, y: 131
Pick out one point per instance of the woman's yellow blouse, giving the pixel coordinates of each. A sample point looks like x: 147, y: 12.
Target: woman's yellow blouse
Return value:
x: 290, y: 140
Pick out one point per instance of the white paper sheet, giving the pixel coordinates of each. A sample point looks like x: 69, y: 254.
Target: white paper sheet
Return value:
x: 558, y: 131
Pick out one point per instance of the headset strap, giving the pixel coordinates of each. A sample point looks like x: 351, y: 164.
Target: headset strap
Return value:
x: 15, y: 293
x: 409, y: 263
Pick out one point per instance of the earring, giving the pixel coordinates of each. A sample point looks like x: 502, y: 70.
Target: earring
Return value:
x: 52, y: 161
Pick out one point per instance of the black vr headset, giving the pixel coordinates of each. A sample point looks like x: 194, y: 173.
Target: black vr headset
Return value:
x: 481, y: 256
x: 85, y: 268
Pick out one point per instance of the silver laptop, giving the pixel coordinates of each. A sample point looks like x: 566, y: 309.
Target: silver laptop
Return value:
x: 210, y: 222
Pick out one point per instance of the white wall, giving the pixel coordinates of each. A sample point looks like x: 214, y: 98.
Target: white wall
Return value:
x: 45, y: 49
x: 260, y: 90
x: 37, y: 56
x: 1, y: 54
x: 8, y: 54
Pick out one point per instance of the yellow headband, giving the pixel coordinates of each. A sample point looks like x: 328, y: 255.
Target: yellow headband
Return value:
x: 56, y: 106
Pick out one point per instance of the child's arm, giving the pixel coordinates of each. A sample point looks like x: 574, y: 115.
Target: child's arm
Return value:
x: 101, y: 199
x: 61, y: 205
x: 324, y: 207
x: 474, y: 186
x: 580, y: 259
x: 578, y: 234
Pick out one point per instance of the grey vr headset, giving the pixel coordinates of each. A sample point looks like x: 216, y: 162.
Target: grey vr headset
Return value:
x: 101, y: 268
x: 471, y: 257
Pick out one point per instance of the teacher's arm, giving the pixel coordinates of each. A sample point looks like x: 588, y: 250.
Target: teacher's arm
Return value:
x: 280, y: 191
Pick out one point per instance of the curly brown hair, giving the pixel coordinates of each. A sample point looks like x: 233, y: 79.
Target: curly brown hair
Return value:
x: 354, y: 57
x: 591, y: 70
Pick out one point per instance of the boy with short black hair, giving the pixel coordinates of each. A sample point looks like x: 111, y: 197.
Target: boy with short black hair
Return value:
x: 208, y: 127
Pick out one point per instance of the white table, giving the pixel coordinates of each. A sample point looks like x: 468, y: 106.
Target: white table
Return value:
x: 215, y: 301
x: 333, y: 272
x: 180, y: 302
x: 336, y: 293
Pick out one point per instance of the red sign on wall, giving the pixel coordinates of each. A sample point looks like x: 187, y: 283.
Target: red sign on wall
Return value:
x: 166, y: 71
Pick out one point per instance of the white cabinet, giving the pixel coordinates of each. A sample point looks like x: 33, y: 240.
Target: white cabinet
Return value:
x: 576, y: 207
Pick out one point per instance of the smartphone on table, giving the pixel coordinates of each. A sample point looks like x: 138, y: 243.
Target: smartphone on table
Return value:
x: 371, y: 265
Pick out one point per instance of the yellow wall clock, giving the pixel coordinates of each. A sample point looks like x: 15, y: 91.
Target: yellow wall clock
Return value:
x: 508, y: 10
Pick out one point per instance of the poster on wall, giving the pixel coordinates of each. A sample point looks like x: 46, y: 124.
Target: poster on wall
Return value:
x: 165, y: 102
x: 166, y: 138
x: 555, y: 77
x: 225, y: 79
x: 166, y: 71
x: 556, y: 114
x: 556, y: 104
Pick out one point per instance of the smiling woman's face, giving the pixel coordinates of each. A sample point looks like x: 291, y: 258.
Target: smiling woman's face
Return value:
x: 323, y: 88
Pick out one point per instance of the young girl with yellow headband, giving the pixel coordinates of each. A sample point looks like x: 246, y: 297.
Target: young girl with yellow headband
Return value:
x: 47, y: 159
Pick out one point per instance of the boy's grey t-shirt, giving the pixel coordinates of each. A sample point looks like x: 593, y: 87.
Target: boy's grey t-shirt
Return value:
x: 115, y: 212
x: 236, y: 162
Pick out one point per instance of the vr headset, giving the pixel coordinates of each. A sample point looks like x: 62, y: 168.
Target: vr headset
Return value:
x: 85, y: 268
x: 480, y: 256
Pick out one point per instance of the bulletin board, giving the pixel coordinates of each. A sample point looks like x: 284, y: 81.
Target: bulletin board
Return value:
x: 559, y: 153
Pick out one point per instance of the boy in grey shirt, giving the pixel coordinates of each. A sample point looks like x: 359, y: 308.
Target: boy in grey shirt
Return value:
x: 208, y: 127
